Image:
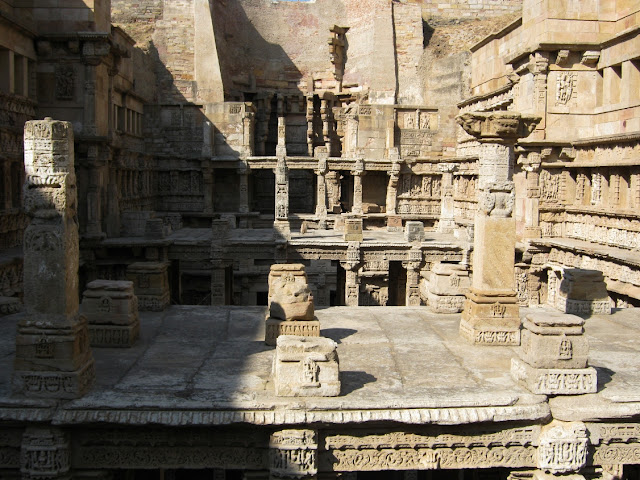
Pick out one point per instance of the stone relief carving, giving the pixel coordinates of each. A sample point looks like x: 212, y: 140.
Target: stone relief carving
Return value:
x: 563, y: 447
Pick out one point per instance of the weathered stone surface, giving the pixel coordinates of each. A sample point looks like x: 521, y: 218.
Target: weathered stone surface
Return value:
x: 151, y: 284
x: 293, y: 453
x: 413, y: 231
x: 583, y: 292
x: 53, y: 358
x: 274, y: 328
x: 111, y: 309
x: 555, y: 381
x: 563, y: 447
x: 291, y: 299
x: 353, y: 229
x: 306, y: 367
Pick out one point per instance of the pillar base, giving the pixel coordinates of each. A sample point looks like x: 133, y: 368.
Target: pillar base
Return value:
x: 301, y: 328
x: 64, y: 385
x: 491, y: 319
x: 114, y: 335
x: 555, y: 381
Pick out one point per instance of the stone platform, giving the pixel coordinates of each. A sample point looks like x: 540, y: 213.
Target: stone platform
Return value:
x: 209, y: 365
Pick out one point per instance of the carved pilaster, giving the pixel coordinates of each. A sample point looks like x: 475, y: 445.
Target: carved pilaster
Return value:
x: 243, y: 175
x: 44, y: 454
x: 293, y: 453
x: 321, y: 187
x: 447, y: 222
x: 357, y: 173
x: 281, y: 223
x: 563, y: 447
x: 351, y: 266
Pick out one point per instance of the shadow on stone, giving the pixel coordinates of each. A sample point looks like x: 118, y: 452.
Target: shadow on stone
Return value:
x: 605, y: 375
x: 337, y: 334
x: 354, y: 380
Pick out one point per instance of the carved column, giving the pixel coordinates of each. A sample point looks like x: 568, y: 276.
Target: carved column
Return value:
x: 532, y: 203
x: 325, y: 114
x: 93, y: 198
x: 281, y: 223
x: 53, y: 358
x: 243, y: 175
x: 220, y: 229
x: 491, y: 313
x: 248, y: 125
x: 45, y: 454
x: 357, y: 173
x: 351, y: 134
x: 351, y: 266
x: 281, y: 147
x: 539, y: 67
x: 293, y: 454
x: 413, y: 277
x: 447, y: 222
x: 321, y: 188
x: 392, y: 186
x: 332, y: 181
x: 309, y: 117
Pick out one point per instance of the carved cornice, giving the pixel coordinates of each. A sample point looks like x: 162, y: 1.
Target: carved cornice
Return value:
x: 497, y: 127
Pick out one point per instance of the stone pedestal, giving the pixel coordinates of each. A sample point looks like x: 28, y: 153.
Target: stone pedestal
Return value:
x: 306, y: 367
x: 583, y: 292
x: 151, y: 284
x: 111, y: 309
x: 53, y: 358
x: 491, y: 312
x: 394, y: 223
x: 353, y: 229
x: 553, y: 357
x: 414, y: 231
x: 448, y: 284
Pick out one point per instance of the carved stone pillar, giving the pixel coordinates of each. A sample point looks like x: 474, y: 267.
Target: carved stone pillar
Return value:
x: 413, y: 265
x: 539, y: 67
x: 220, y: 229
x: 563, y: 447
x: 89, y: 111
x: 93, y: 199
x: 243, y: 175
x: 351, y: 284
x: 281, y: 147
x: 309, y: 118
x: 532, y: 202
x: 357, y: 173
x: 392, y: 188
x: 281, y: 223
x: 491, y: 313
x: 447, y: 222
x: 45, y: 454
x: 321, y: 188
x: 351, y: 134
x: 248, y: 125
x: 332, y: 181
x: 325, y: 114
x: 293, y: 454
x: 53, y: 358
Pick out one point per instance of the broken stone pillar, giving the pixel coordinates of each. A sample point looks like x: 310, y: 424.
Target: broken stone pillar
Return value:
x: 353, y: 229
x: 291, y: 309
x: 281, y: 222
x: 293, y: 454
x: 553, y: 356
x: 111, y: 309
x: 491, y: 313
x: 306, y: 367
x: 53, y: 358
x: 151, y: 284
x: 413, y: 231
x: 448, y: 284
x: 583, y: 292
x: 447, y: 223
x: 357, y: 173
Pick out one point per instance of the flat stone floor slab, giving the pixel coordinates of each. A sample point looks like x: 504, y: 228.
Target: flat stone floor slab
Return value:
x: 391, y: 358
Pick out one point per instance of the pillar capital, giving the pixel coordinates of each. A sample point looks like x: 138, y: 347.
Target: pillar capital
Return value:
x: 497, y: 127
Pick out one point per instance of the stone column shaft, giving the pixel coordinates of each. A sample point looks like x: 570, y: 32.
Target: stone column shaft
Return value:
x: 491, y: 313
x: 281, y: 223
x: 357, y: 186
x: 447, y: 222
x: 53, y: 358
x: 243, y: 174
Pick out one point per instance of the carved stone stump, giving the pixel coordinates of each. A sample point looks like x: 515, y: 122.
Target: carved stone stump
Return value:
x: 293, y: 454
x: 447, y: 287
x: 583, y: 292
x: 394, y: 223
x: 491, y: 312
x: 563, y: 447
x: 151, y: 284
x: 414, y: 231
x: 111, y: 309
x: 554, y: 355
x: 353, y: 229
x: 53, y: 358
x: 306, y: 367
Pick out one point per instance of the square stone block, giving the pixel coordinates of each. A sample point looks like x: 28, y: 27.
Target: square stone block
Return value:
x: 108, y: 302
x: 445, y: 303
x: 65, y: 385
x: 555, y: 381
x: 275, y: 328
x: 490, y: 320
x: 394, y: 223
x: 114, y: 335
x: 414, y: 231
x: 306, y: 367
x: 554, y: 340
x: 353, y: 230
x: 449, y: 279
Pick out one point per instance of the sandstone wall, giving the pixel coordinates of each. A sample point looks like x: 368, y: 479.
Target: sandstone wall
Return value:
x: 466, y: 9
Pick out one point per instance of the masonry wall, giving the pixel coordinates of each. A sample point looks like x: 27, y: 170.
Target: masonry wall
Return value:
x: 466, y: 9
